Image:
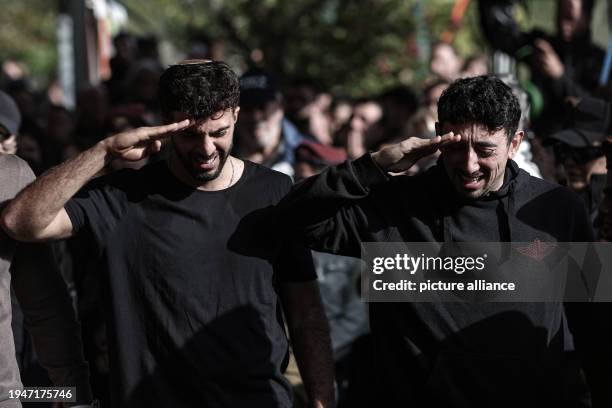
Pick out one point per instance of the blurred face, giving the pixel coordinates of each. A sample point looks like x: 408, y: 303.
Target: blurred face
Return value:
x: 444, y: 62
x: 477, y: 67
x: 260, y: 126
x: 364, y: 116
x: 572, y: 20
x: 580, y: 164
x: 476, y: 165
x: 297, y: 100
x: 203, y: 148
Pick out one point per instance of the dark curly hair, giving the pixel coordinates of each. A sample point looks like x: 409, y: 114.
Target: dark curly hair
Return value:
x: 198, y: 88
x: 482, y: 99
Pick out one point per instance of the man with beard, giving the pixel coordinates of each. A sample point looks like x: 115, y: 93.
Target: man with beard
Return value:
x: 190, y: 257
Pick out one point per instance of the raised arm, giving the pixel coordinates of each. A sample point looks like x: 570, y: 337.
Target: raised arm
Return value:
x: 330, y: 212
x: 37, y: 212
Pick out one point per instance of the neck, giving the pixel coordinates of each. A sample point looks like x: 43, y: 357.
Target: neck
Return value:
x: 230, y: 173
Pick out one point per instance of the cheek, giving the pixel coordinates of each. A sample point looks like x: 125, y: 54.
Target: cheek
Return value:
x: 183, y: 145
x: 224, y: 143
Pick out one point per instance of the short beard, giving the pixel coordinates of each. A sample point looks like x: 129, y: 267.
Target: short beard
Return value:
x: 201, y: 175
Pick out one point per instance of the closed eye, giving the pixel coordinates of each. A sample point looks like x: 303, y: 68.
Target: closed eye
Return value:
x: 219, y: 133
x: 486, y: 152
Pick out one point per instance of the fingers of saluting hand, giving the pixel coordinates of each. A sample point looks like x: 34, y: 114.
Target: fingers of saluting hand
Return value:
x: 428, y: 146
x: 160, y: 132
x: 447, y: 139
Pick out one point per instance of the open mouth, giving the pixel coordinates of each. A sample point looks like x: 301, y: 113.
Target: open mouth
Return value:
x: 471, y: 181
x: 206, y: 163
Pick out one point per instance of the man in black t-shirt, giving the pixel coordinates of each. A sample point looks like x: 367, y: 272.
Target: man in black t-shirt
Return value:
x: 192, y: 263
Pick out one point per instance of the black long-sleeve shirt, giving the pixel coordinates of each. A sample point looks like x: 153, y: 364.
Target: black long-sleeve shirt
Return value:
x: 449, y: 354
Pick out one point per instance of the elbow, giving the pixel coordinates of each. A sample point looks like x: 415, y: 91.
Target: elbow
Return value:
x: 9, y: 222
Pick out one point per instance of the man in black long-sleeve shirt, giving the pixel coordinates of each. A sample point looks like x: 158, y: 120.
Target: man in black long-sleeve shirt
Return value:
x: 453, y: 354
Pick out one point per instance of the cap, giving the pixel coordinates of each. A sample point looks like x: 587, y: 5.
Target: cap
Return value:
x: 318, y: 154
x: 587, y: 126
x: 257, y: 87
x: 10, y: 118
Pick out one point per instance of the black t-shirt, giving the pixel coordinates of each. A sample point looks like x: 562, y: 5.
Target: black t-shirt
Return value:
x: 190, y: 285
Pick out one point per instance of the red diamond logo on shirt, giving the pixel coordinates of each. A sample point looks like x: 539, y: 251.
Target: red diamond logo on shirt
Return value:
x: 537, y: 250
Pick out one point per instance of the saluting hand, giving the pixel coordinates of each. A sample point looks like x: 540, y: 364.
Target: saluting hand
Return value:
x: 136, y: 144
x: 401, y: 156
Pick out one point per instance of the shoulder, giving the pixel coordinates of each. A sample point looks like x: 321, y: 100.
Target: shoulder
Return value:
x: 14, y: 173
x: 552, y: 195
x: 16, y: 166
x: 266, y: 178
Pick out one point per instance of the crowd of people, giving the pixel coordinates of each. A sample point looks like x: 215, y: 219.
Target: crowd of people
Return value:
x: 185, y: 259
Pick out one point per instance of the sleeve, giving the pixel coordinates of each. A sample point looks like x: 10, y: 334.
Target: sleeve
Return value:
x: 330, y: 212
x: 293, y: 263
x: 50, y: 318
x: 98, y: 207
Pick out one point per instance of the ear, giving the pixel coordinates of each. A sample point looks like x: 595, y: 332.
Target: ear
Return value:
x: 438, y: 129
x: 515, y: 143
x: 236, y: 110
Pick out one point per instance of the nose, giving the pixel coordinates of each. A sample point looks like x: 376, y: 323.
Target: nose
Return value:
x: 207, y: 147
x: 470, y: 163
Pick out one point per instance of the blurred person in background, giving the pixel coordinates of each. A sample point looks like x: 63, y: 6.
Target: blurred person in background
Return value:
x: 579, y: 149
x: 91, y: 115
x: 475, y: 66
x: 124, y: 56
x: 33, y: 296
x: 423, y: 123
x: 445, y: 63
x: 308, y: 108
x: 399, y: 105
x: 263, y: 134
x: 341, y: 110
x: 25, y: 99
x: 565, y: 64
x: 356, y: 134
x: 58, y: 135
x: 605, y: 209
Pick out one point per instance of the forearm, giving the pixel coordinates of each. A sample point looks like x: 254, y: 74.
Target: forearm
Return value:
x: 309, y: 333
x: 320, y: 197
x: 35, y: 207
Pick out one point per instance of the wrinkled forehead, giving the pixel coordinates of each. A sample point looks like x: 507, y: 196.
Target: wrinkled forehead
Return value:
x: 474, y: 132
x: 219, y: 119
